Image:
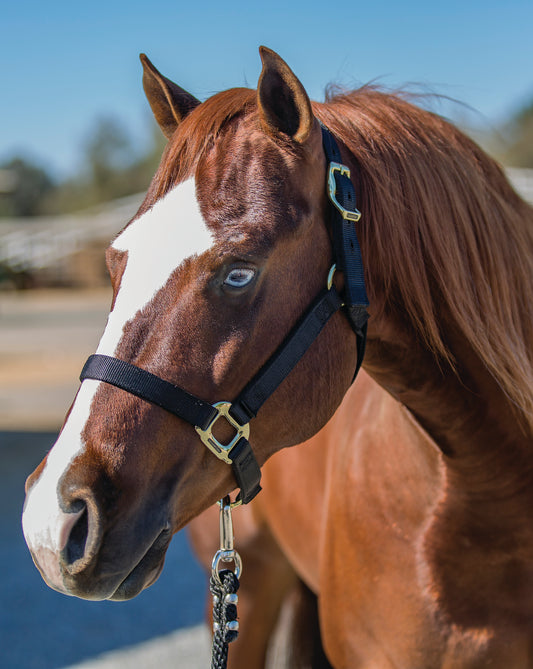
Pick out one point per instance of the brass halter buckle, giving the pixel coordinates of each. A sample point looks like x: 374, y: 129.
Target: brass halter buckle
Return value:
x: 332, y: 191
x: 213, y: 444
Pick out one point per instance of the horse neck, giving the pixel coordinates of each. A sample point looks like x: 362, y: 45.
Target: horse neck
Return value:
x: 459, y: 404
x: 482, y: 524
x: 464, y: 410
x: 448, y: 251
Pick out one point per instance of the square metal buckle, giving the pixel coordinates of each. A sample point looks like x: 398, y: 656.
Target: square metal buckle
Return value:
x: 213, y: 444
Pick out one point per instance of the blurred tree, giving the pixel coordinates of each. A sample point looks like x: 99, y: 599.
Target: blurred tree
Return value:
x: 112, y: 168
x: 518, y: 136
x: 512, y: 143
x: 26, y: 185
x: 109, y: 153
x: 115, y: 166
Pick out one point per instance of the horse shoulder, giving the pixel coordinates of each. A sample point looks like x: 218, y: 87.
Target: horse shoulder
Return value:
x: 386, y: 478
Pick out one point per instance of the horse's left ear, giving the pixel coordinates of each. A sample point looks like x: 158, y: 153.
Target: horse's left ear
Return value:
x: 169, y: 102
x: 284, y: 106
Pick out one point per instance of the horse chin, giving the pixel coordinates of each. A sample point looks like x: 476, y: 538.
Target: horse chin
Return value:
x: 96, y: 586
x: 146, y: 572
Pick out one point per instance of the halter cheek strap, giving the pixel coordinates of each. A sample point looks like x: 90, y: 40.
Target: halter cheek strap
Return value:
x: 202, y: 415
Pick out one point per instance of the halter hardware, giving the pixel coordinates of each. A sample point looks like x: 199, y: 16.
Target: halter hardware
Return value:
x: 224, y: 584
x: 347, y: 214
x: 223, y: 451
x: 227, y: 552
x: 331, y: 274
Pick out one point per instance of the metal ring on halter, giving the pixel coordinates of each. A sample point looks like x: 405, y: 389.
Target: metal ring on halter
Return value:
x: 331, y: 274
x: 226, y: 556
x: 235, y: 504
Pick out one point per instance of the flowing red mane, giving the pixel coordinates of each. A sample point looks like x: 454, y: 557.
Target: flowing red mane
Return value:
x: 448, y: 232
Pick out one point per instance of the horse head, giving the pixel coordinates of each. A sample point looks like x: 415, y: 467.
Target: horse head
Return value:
x: 227, y: 250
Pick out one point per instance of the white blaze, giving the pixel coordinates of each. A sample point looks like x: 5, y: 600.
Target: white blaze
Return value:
x: 157, y: 243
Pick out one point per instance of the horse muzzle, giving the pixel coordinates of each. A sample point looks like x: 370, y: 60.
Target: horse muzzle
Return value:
x: 78, y: 555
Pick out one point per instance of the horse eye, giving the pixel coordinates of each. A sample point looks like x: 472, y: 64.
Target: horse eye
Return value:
x: 239, y: 277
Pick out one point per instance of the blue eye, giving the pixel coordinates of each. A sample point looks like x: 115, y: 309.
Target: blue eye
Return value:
x: 239, y: 277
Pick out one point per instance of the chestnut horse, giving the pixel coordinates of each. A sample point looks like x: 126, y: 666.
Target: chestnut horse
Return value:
x: 410, y: 514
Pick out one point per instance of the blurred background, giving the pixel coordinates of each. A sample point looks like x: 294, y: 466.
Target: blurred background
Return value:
x: 77, y: 150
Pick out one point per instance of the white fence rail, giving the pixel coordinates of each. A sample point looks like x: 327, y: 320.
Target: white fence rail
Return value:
x: 32, y: 244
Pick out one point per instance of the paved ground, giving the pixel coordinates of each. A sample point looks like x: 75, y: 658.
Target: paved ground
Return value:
x: 185, y: 648
x: 44, y: 340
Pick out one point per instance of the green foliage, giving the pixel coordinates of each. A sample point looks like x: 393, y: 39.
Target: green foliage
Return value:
x: 518, y: 136
x: 25, y: 185
x: 112, y: 168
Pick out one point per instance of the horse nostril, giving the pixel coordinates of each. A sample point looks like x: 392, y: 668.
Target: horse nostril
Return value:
x: 76, y: 543
x: 82, y: 536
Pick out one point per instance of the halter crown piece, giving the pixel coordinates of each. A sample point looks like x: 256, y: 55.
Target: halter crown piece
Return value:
x: 202, y: 415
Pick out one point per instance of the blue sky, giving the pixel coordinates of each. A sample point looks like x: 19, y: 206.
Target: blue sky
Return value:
x: 65, y: 63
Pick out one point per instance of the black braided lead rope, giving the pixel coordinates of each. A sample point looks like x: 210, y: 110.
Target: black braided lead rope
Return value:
x: 225, y: 625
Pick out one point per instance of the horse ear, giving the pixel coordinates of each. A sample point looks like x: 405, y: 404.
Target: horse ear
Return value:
x: 284, y: 105
x: 169, y: 102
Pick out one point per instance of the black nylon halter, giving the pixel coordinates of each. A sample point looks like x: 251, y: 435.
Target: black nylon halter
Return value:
x: 201, y: 414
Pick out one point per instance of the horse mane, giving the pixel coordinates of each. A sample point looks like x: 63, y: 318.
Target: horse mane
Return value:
x: 448, y: 232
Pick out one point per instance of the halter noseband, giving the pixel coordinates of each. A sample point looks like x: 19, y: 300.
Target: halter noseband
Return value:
x: 202, y: 415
